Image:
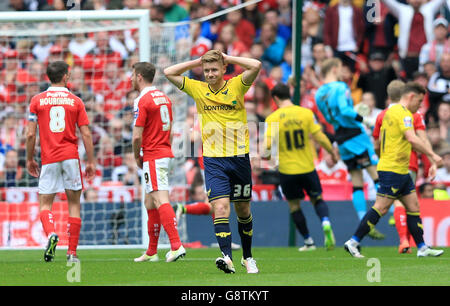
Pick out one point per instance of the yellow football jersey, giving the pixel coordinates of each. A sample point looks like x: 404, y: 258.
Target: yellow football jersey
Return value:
x: 295, y: 149
x: 395, y: 150
x: 222, y: 115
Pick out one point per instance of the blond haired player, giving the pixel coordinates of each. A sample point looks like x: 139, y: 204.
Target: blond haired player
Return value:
x: 225, y: 137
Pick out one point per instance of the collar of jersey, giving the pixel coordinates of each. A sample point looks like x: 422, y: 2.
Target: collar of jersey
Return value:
x: 216, y: 92
x: 54, y: 88
x: 147, y: 89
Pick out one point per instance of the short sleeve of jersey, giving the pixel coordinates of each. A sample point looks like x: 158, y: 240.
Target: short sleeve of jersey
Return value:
x: 241, y: 87
x: 141, y: 114
x: 419, y: 122
x: 188, y: 86
x: 32, y: 116
x: 82, y: 115
x: 376, y: 129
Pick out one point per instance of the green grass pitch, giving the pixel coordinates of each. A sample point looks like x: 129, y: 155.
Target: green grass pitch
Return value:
x: 278, y: 267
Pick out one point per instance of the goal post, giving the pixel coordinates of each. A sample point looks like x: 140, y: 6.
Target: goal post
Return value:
x: 153, y: 43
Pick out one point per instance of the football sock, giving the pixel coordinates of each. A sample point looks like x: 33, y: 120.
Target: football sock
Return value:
x: 415, y: 228
x: 245, y: 228
x: 321, y: 209
x: 300, y: 222
x: 168, y: 221
x: 367, y: 223
x: 223, y: 235
x: 400, y: 223
x: 198, y: 208
x: 359, y: 202
x: 73, y: 233
x: 153, y: 229
x: 48, y: 225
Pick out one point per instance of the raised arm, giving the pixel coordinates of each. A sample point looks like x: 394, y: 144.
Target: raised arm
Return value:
x: 174, y: 73
x: 251, y: 66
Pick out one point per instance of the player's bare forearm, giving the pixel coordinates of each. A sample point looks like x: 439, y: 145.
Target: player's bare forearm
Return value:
x: 174, y: 73
x: 31, y: 140
x: 252, y: 67
x: 136, y: 143
x: 423, y: 136
x: 324, y: 142
x: 376, y: 146
x: 419, y: 146
x: 86, y: 136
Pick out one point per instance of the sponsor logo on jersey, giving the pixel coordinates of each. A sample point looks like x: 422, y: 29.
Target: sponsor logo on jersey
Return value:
x: 407, y: 121
x: 219, y: 107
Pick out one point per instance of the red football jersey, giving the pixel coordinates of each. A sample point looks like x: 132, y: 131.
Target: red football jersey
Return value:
x: 58, y: 112
x: 154, y: 114
x: 419, y: 124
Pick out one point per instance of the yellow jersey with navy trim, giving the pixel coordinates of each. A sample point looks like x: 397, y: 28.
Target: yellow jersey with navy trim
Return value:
x: 222, y: 115
x: 295, y: 149
x: 395, y: 150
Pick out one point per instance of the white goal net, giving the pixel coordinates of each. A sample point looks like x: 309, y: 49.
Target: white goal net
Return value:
x: 100, y: 47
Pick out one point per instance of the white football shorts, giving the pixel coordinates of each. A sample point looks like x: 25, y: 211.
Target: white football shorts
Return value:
x: 156, y: 174
x: 57, y: 177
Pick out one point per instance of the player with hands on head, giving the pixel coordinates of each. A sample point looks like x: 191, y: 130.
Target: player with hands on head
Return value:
x: 225, y: 137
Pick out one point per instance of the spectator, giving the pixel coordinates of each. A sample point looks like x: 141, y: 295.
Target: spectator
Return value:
x: 271, y: 16
x: 351, y: 77
x: 253, y: 15
x: 77, y: 82
x: 311, y: 14
x: 439, y: 84
x: 429, y: 68
x: 426, y: 190
x: 380, y: 28
x: 264, y: 103
x: 174, y: 12
x: 415, y: 21
x: 273, y: 45
x: 286, y: 65
x: 111, y: 88
x: 330, y: 171
x: 90, y: 195
x: 197, y: 192
x: 201, y: 44
x: 13, y: 79
x: 377, y: 78
x: 116, y: 130
x: 433, y: 50
x: 95, y: 61
x: 422, y: 79
x: 344, y: 28
x: 233, y: 45
x: 37, y: 71
x: 106, y: 157
x: 434, y: 135
x: 368, y: 98
x: 443, y: 174
x: 10, y: 130
x: 285, y: 9
x: 444, y: 120
x: 209, y: 28
x: 80, y: 45
x: 307, y: 44
x: 41, y: 49
x: 129, y: 174
x: 245, y: 30
x: 12, y: 173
